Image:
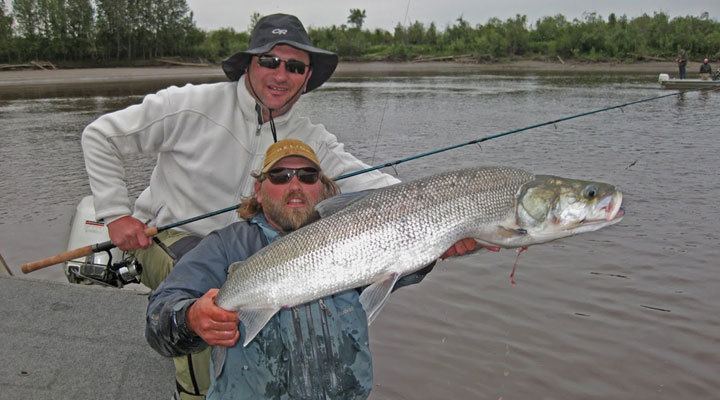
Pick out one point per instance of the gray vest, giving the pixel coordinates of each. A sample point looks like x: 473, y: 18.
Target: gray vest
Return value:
x: 317, y: 350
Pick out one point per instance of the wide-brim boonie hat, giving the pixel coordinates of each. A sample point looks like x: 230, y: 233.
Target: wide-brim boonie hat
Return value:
x: 276, y: 29
x: 286, y: 148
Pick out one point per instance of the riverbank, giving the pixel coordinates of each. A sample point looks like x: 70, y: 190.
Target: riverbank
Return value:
x: 90, y: 76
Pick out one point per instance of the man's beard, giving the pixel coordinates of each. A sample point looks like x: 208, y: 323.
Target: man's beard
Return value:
x: 290, y: 219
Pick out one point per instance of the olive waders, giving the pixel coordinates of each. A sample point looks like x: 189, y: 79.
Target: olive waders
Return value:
x: 192, y: 371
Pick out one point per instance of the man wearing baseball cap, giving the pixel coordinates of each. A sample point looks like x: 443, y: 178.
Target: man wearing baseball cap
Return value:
x: 207, y: 139
x: 316, y: 350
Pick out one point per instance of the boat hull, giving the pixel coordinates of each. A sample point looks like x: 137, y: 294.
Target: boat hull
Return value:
x: 671, y: 83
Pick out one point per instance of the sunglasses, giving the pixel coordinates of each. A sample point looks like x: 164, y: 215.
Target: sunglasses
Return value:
x: 281, y: 176
x: 272, y: 62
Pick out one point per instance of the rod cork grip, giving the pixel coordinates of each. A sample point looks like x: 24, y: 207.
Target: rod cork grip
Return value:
x: 56, y: 259
x: 151, y: 231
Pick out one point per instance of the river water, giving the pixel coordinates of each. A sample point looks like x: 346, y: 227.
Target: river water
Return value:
x: 629, y: 312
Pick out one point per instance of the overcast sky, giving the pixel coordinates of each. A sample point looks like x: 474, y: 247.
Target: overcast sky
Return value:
x: 214, y: 14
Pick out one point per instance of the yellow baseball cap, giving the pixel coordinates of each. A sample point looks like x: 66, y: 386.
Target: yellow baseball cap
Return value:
x: 286, y: 148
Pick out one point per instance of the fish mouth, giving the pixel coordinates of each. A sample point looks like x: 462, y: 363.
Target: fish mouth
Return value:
x: 609, y: 210
x: 615, y: 206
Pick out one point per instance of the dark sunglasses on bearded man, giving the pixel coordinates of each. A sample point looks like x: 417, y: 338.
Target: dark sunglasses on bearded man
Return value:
x: 281, y: 176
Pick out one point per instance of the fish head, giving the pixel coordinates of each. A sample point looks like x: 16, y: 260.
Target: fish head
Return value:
x: 551, y: 207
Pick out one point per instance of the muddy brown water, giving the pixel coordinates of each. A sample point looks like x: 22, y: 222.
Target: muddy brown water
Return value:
x: 630, y: 312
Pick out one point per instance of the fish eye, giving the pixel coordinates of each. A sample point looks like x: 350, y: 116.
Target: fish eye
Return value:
x: 590, y: 191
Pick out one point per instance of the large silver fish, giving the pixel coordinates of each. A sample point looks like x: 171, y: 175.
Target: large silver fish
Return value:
x: 397, y: 230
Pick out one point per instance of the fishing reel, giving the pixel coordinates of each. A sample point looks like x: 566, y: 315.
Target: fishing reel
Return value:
x: 99, y: 268
x: 107, y: 266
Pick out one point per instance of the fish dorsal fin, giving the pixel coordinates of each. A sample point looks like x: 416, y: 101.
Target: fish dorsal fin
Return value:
x: 234, y: 266
x: 336, y: 203
x: 254, y: 320
x: 374, y: 297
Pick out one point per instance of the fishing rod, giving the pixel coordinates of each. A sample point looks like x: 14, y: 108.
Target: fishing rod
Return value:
x: 510, y: 132
x: 108, y: 245
x: 497, y: 135
x: 152, y: 231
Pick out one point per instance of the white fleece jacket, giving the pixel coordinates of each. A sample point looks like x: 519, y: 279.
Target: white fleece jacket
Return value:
x: 207, y: 139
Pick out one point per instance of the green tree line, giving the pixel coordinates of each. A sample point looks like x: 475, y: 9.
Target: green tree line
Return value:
x: 589, y: 38
x: 108, y: 32
x: 89, y: 32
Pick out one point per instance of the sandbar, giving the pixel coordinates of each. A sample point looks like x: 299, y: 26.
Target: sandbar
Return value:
x: 90, y: 76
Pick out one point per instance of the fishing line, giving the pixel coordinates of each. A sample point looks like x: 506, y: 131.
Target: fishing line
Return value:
x: 407, y: 9
x: 507, y: 133
x: 377, y: 137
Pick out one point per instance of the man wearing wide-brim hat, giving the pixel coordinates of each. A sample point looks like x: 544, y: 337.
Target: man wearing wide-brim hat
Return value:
x: 207, y: 139
x: 280, y: 44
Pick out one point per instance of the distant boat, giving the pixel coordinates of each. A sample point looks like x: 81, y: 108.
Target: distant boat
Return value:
x: 671, y: 83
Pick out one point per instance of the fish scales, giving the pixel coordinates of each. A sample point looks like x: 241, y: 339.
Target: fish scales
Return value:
x: 398, y: 229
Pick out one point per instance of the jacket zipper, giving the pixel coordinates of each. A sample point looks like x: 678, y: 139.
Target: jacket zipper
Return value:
x: 258, y: 110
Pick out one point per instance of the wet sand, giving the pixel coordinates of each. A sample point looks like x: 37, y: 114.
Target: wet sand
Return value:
x: 25, y: 78
x: 59, y: 342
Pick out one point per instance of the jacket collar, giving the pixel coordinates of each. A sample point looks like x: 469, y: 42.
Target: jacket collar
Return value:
x: 270, y: 233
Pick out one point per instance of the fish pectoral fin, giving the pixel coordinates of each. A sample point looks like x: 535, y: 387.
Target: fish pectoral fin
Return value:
x: 217, y: 355
x: 374, y: 297
x: 336, y: 203
x: 510, y: 232
x: 254, y: 319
